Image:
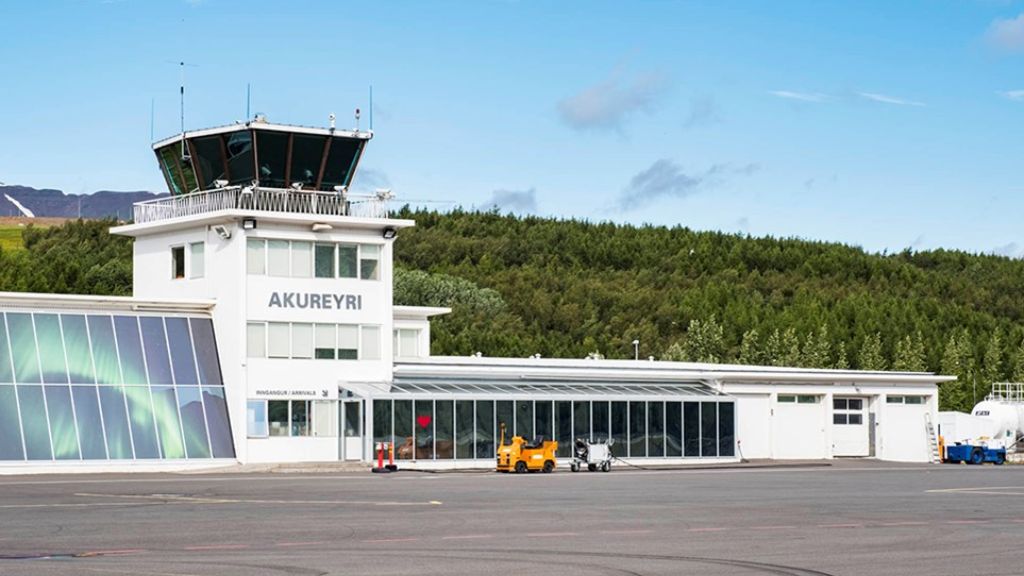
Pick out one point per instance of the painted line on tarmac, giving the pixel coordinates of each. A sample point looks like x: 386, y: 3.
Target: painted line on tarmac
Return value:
x: 904, y: 523
x: 626, y: 531
x: 551, y: 534
x: 775, y: 527
x: 290, y: 544
x: 383, y: 540
x: 178, y: 499
x: 217, y: 547
x: 715, y: 529
x: 123, y: 552
x: 70, y: 505
x: 468, y: 537
x: 986, y: 490
x: 967, y: 521
x: 840, y: 525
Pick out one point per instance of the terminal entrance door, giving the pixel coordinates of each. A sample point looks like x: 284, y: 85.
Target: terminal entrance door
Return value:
x: 350, y: 433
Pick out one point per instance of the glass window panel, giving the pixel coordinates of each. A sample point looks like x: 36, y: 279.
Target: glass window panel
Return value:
x: 347, y: 260
x: 370, y: 343
x: 369, y: 262
x: 464, y: 429
x: 278, y: 340
x: 324, y: 265
x: 637, y: 429
x: 193, y: 422
x: 839, y: 418
x: 76, y: 342
x: 140, y: 411
x: 130, y: 349
x: 197, y: 260
x: 51, y: 349
x: 404, y: 441
x: 381, y: 421
x: 599, y: 421
x: 6, y: 371
x: 154, y: 342
x: 353, y: 420
x: 302, y: 259
x: 581, y: 420
x: 278, y: 262
x: 424, y: 422
x: 340, y: 159
x: 277, y: 415
x: 209, y: 159
x: 206, y: 351
x: 272, y: 154
x: 325, y: 413
x: 839, y: 403
x: 620, y: 429
x: 256, y: 340
x: 855, y: 419
x: 726, y: 429
x: 444, y: 428
x: 890, y: 399
x: 708, y: 429
x: 563, y: 428
x: 165, y: 409
x: 182, y: 361
x: 302, y: 340
x: 169, y: 165
x: 655, y: 430
x: 300, y: 418
x: 307, y: 155
x: 23, y: 349
x: 544, y: 416
x: 691, y: 429
x: 90, y: 426
x: 673, y: 429
x: 256, y: 256
x: 524, y: 419
x: 504, y: 416
x: 256, y: 419
x: 914, y: 399
x: 218, y: 423
x: 115, y: 422
x: 10, y: 430
x: 33, y: 422
x: 408, y: 341
x: 241, y: 165
x: 326, y: 341
x: 786, y: 399
x: 485, y: 429
x: 807, y: 399
x: 348, y: 342
x: 855, y: 403
x: 191, y: 184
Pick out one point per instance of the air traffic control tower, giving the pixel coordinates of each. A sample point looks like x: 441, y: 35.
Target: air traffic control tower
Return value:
x: 298, y: 271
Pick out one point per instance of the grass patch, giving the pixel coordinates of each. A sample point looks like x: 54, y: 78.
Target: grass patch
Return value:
x: 10, y: 237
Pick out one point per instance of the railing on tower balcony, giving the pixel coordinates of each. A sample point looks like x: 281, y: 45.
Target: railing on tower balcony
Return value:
x: 262, y: 200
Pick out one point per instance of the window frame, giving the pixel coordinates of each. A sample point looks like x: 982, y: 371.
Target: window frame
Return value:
x: 175, y: 249
x: 192, y: 260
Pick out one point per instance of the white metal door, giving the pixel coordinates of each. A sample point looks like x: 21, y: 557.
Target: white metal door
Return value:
x: 351, y: 429
x: 798, y: 427
x: 850, y: 435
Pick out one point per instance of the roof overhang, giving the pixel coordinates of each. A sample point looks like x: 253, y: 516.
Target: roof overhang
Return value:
x: 291, y: 129
x: 34, y: 301
x: 418, y: 312
x: 234, y: 215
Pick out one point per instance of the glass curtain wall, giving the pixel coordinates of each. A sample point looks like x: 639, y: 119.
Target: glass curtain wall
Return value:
x: 110, y: 387
x: 467, y: 429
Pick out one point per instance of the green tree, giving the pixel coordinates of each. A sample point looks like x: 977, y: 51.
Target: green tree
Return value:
x: 704, y: 341
x: 751, y: 352
x: 910, y: 354
x: 841, y: 362
x: 956, y: 361
x: 992, y: 362
x: 871, y: 356
x: 1017, y: 374
x: 817, y: 349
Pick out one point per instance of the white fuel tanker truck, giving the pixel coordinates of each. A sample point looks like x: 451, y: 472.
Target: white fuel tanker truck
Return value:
x: 994, y: 428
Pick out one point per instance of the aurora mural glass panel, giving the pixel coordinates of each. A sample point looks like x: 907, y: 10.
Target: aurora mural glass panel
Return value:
x: 206, y: 351
x: 217, y: 419
x: 104, y: 350
x: 183, y: 361
x: 23, y: 348
x: 143, y: 426
x: 63, y: 435
x: 115, y: 422
x: 6, y: 371
x: 193, y: 422
x: 76, y: 343
x: 165, y: 410
x: 90, y: 424
x: 129, y: 348
x: 51, y: 349
x: 154, y: 342
x: 10, y: 431
x: 33, y: 422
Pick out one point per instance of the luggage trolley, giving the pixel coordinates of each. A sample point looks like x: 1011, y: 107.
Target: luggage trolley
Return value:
x: 596, y: 455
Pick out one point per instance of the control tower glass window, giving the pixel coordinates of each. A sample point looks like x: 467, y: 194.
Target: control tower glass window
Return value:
x: 369, y: 260
x: 340, y: 160
x: 272, y: 155
x: 238, y: 147
x: 210, y: 161
x: 307, y: 156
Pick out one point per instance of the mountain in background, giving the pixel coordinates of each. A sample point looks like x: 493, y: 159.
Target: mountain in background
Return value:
x: 56, y: 204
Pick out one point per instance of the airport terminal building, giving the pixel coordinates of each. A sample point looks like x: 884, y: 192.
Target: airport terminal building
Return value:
x: 262, y: 330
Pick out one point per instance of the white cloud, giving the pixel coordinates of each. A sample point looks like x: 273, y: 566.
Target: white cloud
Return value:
x: 801, y: 96
x: 517, y: 201
x: 667, y: 178
x: 606, y: 106
x: 884, y: 99
x: 1011, y: 250
x: 1007, y: 33
x: 1017, y: 95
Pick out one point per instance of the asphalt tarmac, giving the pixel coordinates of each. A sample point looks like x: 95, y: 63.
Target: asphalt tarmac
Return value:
x: 848, y: 518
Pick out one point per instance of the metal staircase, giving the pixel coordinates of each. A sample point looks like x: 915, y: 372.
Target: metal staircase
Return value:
x: 933, y: 440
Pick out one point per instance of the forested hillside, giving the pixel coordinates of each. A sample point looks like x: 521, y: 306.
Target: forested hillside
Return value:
x: 559, y: 288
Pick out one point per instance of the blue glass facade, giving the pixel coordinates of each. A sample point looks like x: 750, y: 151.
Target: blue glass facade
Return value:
x: 110, y: 387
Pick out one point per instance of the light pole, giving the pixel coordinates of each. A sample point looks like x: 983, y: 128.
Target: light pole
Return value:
x: 636, y: 349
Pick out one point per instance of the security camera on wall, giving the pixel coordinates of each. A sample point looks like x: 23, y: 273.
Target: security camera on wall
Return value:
x: 222, y: 231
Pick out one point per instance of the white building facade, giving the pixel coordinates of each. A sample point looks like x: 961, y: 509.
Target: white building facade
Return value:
x: 261, y: 240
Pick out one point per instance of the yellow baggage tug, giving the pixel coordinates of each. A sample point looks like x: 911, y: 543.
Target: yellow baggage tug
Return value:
x: 520, y: 456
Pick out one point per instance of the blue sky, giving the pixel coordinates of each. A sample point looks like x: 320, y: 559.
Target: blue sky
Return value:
x: 882, y: 124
